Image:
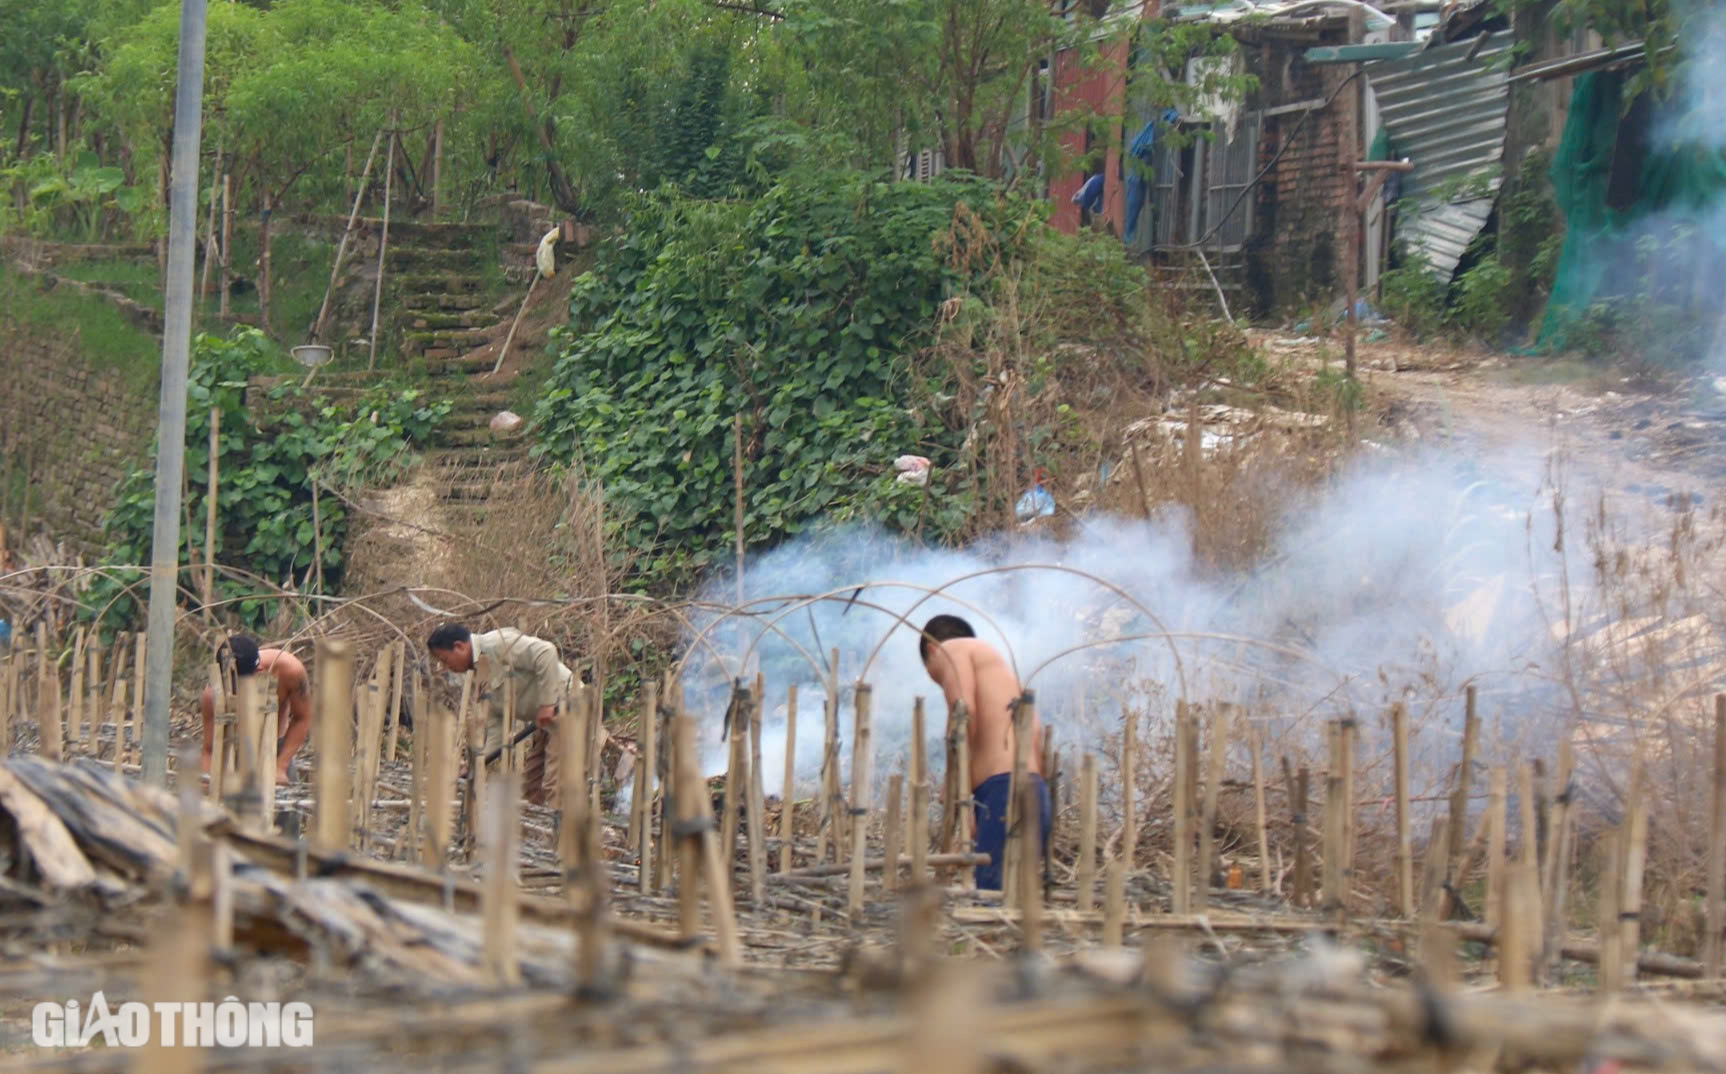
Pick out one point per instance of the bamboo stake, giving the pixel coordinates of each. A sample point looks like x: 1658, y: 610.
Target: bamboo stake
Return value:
x: 420, y: 792
x: 219, y: 728
x: 1635, y: 861
x: 439, y: 733
x: 1087, y: 867
x: 75, y: 694
x: 212, y: 503
x: 736, y: 772
x: 93, y: 695
x: 707, y: 862
x: 757, y: 802
x: 267, y: 768
x: 1459, y: 796
x: 335, y: 708
x: 966, y: 812
x: 687, y: 803
x: 1716, y: 911
x: 1115, y: 903
x: 477, y: 777
x: 1208, y: 821
x: 1350, y: 732
x: 1030, y: 878
x: 500, y: 880
x: 1129, y: 785
x: 860, y: 744
x: 1332, y: 899
x: 371, y: 708
x: 1180, y: 878
x: 1267, y: 883
x: 574, y: 799
x: 644, y: 789
x: 48, y: 697
x: 398, y: 670
x: 1518, y: 933
x: 788, y: 790
x: 347, y: 233
x: 1611, y: 934
x: 1432, y: 870
x: 841, y: 825
x: 919, y: 831
x: 1527, y: 853
x: 1557, y: 863
x: 1404, y: 839
x: 668, y: 815
x: 247, y: 763
x: 139, y: 664
x: 592, y: 924
x: 383, y: 245
x: 222, y: 896
x: 950, y: 786
x: 895, y: 802
x: 1023, y: 716
x: 210, y: 233
x: 1496, y: 815
x: 827, y: 794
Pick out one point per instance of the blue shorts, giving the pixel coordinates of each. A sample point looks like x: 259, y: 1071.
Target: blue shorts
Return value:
x: 991, y: 805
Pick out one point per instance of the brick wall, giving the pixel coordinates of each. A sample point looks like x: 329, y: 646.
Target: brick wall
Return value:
x: 76, y: 426
x: 1293, y: 259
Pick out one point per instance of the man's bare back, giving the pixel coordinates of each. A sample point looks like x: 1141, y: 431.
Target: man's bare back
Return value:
x: 293, y: 706
x: 970, y: 670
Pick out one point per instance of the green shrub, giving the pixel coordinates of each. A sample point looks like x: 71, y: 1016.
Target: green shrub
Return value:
x: 266, y: 471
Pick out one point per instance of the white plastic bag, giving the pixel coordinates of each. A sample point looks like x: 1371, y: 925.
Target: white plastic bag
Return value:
x: 913, y: 469
x: 505, y: 421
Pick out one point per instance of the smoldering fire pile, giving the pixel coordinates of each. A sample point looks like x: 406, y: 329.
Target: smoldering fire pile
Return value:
x: 819, y: 933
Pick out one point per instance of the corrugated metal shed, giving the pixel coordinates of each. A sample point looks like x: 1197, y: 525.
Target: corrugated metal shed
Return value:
x: 1446, y: 110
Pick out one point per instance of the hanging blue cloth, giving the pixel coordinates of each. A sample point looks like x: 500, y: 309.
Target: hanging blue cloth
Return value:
x: 1138, y: 179
x: 1090, y: 196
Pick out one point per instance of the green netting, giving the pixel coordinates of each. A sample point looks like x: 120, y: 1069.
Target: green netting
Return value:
x: 1606, y: 252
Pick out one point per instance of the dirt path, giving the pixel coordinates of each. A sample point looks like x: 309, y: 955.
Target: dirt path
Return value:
x: 1520, y: 416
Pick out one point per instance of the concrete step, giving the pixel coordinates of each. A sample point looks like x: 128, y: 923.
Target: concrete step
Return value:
x: 490, y: 455
x: 444, y: 283
x: 449, y: 340
x: 418, y: 320
x: 445, y: 364
x: 436, y: 302
x: 459, y: 436
x: 423, y: 259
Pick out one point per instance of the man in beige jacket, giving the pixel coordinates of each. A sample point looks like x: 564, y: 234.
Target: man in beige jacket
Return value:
x: 541, y: 682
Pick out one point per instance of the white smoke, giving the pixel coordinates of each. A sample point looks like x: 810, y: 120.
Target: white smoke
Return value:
x: 1405, y: 579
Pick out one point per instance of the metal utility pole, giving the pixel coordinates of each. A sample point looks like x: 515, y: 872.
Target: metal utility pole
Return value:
x: 171, y: 426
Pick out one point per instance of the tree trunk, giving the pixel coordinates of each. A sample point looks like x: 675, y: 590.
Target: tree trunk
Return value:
x: 562, y: 191
x: 264, y: 285
x: 24, y: 125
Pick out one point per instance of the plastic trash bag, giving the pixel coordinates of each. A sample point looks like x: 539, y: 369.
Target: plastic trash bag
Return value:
x: 505, y: 421
x: 1036, y: 502
x: 913, y: 469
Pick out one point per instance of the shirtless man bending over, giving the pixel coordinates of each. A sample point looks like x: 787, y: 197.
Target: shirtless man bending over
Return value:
x: 293, y: 698
x: 972, y: 671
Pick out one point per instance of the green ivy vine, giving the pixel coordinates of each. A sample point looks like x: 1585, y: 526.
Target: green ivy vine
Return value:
x: 269, y: 458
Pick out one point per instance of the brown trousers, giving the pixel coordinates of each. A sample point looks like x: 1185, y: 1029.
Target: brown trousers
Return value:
x: 541, y: 771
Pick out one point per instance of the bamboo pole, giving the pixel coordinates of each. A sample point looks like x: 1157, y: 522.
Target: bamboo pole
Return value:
x: 689, y: 797
x: 967, y: 805
x: 93, y: 694
x: 1553, y: 913
x: 1333, y: 899
x: 644, y: 783
x: 267, y: 767
x: 1519, y: 933
x: 827, y: 793
x: 501, y: 892
x: 212, y: 504
x: 895, y: 802
x: 1528, y: 852
x: 1023, y: 717
x: 420, y: 779
x: 210, y: 232
x: 574, y: 798
x: 1459, y: 795
x: 1180, y: 878
x: 477, y: 777
x: 919, y: 830
x: 861, y: 739
x: 1129, y: 785
x: 1496, y: 815
x: 398, y: 673
x: 248, y: 722
x: 1087, y: 865
x: 347, y: 233
x: 757, y: 802
x: 383, y: 245
x: 736, y: 771
x: 1635, y: 861
x: 949, y: 836
x: 669, y: 693
x: 1115, y: 904
x: 1030, y: 878
x: 227, y: 240
x: 1350, y: 730
x: 1404, y: 839
x: 75, y: 693
x: 1297, y: 794
x: 140, y: 662
x: 335, y: 709
x: 1611, y: 934
x: 48, y: 697
x: 1716, y: 911
x: 219, y: 720
x: 1267, y: 882
x: 1208, y: 820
